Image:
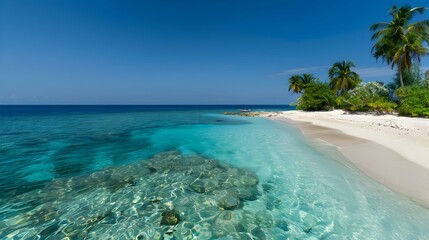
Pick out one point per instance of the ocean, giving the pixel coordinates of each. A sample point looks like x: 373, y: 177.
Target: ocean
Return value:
x: 184, y: 172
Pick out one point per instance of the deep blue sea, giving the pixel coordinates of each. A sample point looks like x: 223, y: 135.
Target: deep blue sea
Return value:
x: 184, y: 172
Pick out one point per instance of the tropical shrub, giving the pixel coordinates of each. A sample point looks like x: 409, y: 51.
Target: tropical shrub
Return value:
x: 413, y: 101
x: 382, y: 106
x: 370, y: 96
x: 318, y: 96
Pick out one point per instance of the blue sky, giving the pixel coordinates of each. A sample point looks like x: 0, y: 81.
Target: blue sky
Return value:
x: 180, y: 52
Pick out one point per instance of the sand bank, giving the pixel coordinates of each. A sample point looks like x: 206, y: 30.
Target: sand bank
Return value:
x: 393, y: 150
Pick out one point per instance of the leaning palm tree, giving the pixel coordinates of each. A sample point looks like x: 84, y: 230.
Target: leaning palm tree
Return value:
x: 391, y: 37
x: 295, y: 84
x: 342, y: 78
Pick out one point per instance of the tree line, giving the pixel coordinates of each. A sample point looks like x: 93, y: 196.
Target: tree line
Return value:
x: 399, y: 43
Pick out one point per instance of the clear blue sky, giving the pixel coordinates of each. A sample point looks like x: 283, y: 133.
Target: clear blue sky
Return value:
x: 179, y: 52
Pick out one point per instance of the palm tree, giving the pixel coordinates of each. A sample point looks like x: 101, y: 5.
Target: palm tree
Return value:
x: 410, y: 51
x: 298, y: 83
x: 307, y: 78
x: 342, y: 78
x: 400, y: 42
x: 295, y: 84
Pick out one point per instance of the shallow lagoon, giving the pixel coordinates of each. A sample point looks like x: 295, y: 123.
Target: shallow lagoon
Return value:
x: 185, y: 174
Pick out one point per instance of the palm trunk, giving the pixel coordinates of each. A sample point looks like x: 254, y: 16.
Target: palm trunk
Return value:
x: 400, y: 75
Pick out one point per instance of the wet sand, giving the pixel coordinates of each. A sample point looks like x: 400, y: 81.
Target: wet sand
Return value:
x: 379, y: 160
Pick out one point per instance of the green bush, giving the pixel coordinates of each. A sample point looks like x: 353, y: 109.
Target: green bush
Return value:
x: 317, y: 97
x: 413, y: 101
x: 382, y: 106
x: 370, y: 96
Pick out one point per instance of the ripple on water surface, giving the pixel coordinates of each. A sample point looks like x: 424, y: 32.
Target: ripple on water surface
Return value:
x: 169, y: 196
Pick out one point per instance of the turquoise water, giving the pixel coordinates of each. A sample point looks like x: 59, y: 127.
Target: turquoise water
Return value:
x: 184, y: 173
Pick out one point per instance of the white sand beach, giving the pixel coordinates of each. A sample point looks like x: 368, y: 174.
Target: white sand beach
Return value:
x: 391, y: 149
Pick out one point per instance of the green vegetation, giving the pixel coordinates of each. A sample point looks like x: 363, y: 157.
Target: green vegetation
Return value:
x: 401, y: 44
x: 367, y: 97
x: 409, y: 78
x: 414, y: 101
x: 295, y: 84
x: 298, y: 83
x: 318, y: 96
x: 342, y: 78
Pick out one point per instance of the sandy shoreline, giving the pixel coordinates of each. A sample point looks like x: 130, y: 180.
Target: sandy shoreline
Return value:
x: 392, y: 150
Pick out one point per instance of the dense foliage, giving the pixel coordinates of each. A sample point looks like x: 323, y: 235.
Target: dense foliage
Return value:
x: 414, y: 101
x: 370, y: 96
x: 318, y: 96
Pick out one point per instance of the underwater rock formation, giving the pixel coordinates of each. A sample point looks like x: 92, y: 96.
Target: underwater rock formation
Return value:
x: 169, y: 196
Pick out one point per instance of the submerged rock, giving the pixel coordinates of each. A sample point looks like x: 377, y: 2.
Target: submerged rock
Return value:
x: 194, y: 195
x: 171, y: 217
x: 283, y: 225
x: 267, y: 187
x: 264, y: 219
x: 272, y: 202
x: 204, y: 186
x: 259, y: 233
x: 248, y: 193
x: 247, y: 179
x: 230, y: 202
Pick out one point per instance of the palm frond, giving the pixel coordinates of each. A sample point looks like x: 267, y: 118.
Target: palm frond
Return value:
x: 416, y: 10
x: 378, y: 26
x: 393, y: 10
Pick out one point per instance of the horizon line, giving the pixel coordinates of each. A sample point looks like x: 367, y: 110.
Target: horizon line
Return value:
x: 229, y: 104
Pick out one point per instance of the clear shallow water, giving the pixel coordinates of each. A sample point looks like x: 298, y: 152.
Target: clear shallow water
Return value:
x: 122, y: 172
